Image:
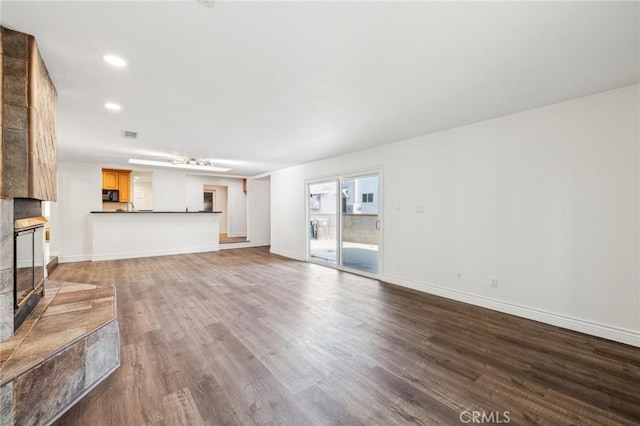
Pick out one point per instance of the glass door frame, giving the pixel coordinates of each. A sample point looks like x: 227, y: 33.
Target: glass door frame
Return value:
x: 338, y: 179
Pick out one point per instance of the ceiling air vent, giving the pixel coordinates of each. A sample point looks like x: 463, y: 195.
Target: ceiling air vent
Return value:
x: 207, y: 3
x: 128, y: 134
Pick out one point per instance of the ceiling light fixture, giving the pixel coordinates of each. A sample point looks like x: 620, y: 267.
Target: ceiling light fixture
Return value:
x: 190, y: 164
x: 193, y: 162
x: 116, y: 61
x: 112, y: 106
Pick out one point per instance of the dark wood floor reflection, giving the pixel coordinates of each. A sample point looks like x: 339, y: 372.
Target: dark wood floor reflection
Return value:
x: 246, y: 337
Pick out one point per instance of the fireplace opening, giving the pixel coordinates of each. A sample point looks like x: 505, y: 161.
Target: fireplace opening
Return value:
x: 29, y: 266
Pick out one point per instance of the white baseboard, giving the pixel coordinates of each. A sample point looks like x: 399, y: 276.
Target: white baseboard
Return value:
x: 26, y: 264
x: 245, y: 244
x: 286, y: 253
x: 628, y: 337
x: 74, y: 258
x: 133, y: 255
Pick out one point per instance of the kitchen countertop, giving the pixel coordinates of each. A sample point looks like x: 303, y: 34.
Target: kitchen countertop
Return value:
x: 151, y: 211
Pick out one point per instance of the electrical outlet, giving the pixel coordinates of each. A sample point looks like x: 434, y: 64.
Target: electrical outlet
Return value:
x: 494, y: 282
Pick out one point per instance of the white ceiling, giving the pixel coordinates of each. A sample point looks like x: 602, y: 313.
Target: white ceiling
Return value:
x: 266, y: 85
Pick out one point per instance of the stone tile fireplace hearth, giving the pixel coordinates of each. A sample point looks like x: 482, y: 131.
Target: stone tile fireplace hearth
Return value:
x: 66, y: 347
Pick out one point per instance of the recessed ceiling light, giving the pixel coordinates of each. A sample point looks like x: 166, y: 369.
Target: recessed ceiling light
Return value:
x: 113, y: 107
x: 116, y: 61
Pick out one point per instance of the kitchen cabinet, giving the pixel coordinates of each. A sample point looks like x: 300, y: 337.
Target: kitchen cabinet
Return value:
x: 110, y: 179
x: 124, y: 186
x: 120, y: 180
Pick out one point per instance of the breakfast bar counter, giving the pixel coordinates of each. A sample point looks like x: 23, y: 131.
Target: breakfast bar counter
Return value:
x: 125, y: 235
x: 150, y: 211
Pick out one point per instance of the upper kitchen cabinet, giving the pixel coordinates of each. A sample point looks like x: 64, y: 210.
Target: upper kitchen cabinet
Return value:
x: 124, y: 186
x: 120, y: 180
x: 110, y: 179
x: 28, y: 126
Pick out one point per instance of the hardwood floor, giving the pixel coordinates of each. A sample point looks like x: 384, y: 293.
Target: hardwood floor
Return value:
x: 246, y: 337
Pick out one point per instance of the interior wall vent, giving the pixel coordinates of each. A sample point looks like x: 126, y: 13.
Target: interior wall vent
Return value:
x: 129, y: 134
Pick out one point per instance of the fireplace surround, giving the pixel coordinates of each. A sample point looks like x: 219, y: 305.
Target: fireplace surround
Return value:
x: 28, y: 154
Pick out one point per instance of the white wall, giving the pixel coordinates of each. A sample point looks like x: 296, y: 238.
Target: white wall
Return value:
x: 546, y: 201
x: 259, y: 211
x: 79, y: 192
x: 236, y: 200
x: 54, y: 228
x: 169, y: 190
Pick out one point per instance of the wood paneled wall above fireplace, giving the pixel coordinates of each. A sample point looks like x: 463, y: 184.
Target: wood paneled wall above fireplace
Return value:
x: 29, y: 153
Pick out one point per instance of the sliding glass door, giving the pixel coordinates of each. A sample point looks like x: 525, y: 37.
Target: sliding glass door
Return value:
x: 344, y: 223
x: 360, y: 223
x: 323, y: 222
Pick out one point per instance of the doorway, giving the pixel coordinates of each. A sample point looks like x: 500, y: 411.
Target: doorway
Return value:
x: 142, y: 190
x: 209, y: 200
x: 215, y: 199
x: 344, y: 223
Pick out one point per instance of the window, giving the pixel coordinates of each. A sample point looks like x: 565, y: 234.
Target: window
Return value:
x: 367, y: 198
x: 315, y: 202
